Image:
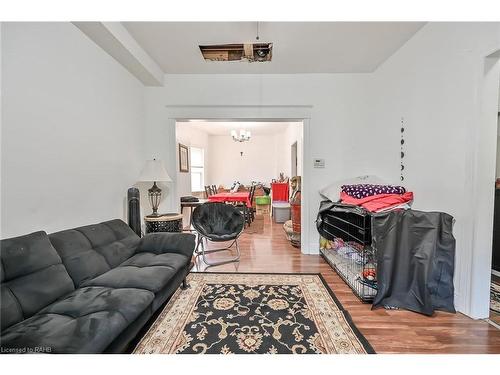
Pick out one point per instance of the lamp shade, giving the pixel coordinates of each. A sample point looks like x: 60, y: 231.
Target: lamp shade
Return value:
x: 154, y: 171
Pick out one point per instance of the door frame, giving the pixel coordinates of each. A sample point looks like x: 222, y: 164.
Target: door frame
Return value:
x: 268, y: 113
x: 294, y: 157
x: 473, y: 268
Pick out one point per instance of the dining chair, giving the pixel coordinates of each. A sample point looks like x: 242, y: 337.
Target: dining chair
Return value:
x: 246, y: 211
x: 252, y: 194
x: 208, y: 191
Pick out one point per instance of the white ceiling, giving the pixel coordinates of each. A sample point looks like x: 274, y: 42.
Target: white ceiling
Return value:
x: 299, y: 47
x: 225, y: 127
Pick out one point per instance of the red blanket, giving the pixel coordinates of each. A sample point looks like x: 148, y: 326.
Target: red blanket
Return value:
x: 279, y: 191
x: 378, y: 202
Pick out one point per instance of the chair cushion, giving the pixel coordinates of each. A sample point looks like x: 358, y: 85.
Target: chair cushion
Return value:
x: 217, y: 221
x: 85, y: 321
x: 221, y: 237
x: 32, y: 277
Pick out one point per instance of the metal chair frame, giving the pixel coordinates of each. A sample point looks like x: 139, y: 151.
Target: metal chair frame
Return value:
x: 204, y: 251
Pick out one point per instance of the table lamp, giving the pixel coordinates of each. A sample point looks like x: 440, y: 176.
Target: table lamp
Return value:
x: 154, y: 171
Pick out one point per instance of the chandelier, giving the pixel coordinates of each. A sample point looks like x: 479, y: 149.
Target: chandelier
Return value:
x: 243, y: 136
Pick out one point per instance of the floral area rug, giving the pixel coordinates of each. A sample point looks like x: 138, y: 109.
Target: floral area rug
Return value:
x: 495, y: 297
x: 224, y: 313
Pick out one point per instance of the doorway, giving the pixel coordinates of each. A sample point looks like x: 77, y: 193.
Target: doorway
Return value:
x: 250, y: 112
x: 259, y: 159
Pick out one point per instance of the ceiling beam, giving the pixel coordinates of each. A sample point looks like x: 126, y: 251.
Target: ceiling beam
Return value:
x: 114, y: 38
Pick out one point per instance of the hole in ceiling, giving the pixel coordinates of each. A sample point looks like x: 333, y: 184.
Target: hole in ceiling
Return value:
x: 249, y: 52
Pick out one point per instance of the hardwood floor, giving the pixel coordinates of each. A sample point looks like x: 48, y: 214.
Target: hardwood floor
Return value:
x: 388, y: 331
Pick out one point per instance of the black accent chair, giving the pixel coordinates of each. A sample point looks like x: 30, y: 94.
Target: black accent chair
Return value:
x: 90, y: 289
x: 217, y: 222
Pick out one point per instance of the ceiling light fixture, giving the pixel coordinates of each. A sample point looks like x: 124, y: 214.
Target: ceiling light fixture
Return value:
x: 243, y: 136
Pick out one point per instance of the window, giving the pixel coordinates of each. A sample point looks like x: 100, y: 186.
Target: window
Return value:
x: 197, y: 169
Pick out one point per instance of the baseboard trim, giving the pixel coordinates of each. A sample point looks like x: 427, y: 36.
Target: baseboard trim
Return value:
x: 493, y: 323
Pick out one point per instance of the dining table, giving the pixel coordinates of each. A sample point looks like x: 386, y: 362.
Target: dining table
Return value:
x: 239, y: 196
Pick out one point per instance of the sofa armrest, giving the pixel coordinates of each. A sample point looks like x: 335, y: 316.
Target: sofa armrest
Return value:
x: 162, y: 242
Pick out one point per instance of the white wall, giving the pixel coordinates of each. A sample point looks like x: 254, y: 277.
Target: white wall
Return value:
x: 339, y: 112
x: 258, y: 162
x: 293, y: 133
x: 435, y: 82
x: 72, y: 130
x: 191, y: 137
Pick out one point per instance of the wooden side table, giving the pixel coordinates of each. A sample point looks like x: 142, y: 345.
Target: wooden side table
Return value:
x: 163, y: 223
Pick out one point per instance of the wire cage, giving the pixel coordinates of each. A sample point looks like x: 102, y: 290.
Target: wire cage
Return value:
x: 346, y: 245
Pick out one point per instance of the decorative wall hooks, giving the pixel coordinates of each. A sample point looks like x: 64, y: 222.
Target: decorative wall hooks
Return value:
x: 402, y: 155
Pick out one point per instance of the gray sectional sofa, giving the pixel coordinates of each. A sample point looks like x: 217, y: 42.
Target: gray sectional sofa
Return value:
x: 86, y: 290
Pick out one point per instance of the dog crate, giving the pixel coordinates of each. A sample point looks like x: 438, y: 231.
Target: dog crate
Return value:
x: 346, y: 244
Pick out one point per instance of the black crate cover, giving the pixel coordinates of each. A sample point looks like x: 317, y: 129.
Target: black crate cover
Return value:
x: 416, y: 258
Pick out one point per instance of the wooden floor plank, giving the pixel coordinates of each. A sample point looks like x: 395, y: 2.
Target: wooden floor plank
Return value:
x: 388, y: 331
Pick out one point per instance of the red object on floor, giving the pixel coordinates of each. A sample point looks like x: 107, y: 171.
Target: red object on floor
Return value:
x: 378, y: 202
x: 241, y: 196
x: 279, y: 191
x: 295, y: 208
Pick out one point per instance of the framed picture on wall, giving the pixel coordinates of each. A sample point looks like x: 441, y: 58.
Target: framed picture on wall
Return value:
x: 183, y: 158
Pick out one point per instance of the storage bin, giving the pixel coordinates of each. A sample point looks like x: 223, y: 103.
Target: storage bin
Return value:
x: 281, y: 211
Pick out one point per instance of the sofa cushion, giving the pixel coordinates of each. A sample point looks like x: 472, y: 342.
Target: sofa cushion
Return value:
x: 151, y: 278
x: 113, y: 239
x: 129, y: 302
x: 10, y: 309
x: 32, y: 277
x: 92, y: 250
x: 26, y: 254
x: 163, y: 242
x: 82, y: 261
x: 38, y: 289
x: 176, y: 261
x: 85, y: 321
